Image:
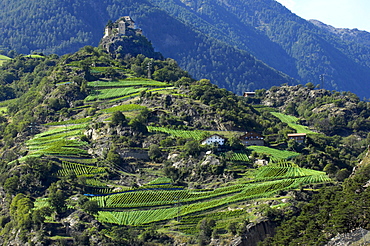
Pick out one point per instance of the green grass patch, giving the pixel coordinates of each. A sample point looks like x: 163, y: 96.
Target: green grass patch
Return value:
x: 105, y: 94
x: 292, y: 122
x: 124, y: 108
x: 69, y: 122
x: 98, y: 69
x: 7, y: 102
x: 275, y: 153
x: 3, y: 110
x: 4, y: 59
x: 34, y: 56
x: 161, y: 180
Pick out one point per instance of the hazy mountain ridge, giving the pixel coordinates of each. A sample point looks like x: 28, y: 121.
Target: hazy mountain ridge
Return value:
x: 346, y: 34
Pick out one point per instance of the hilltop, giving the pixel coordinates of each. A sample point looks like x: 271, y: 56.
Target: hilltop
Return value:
x: 116, y: 148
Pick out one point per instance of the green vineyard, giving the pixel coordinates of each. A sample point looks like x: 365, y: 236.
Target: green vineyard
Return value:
x: 59, y: 141
x: 292, y: 122
x: 104, y: 94
x: 195, y: 134
x: 275, y: 153
x: 142, y: 206
x: 124, y: 108
x: 79, y: 169
x: 128, y: 83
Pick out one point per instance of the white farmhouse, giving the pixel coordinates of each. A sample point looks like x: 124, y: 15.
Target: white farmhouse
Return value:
x: 214, y: 139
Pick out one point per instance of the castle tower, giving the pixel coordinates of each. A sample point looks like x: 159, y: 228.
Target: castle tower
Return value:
x: 122, y: 27
x: 129, y: 21
x: 108, y: 31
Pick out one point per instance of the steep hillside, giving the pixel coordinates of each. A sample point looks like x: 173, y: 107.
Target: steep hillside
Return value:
x: 93, y: 149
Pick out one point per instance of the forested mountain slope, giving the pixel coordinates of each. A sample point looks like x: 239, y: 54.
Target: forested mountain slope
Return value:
x: 55, y: 27
x: 281, y: 39
x: 210, y: 39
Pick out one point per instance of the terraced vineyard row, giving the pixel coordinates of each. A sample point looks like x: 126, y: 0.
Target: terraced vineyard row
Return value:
x: 128, y: 82
x: 69, y: 122
x: 239, y: 157
x: 138, y: 217
x: 277, y: 154
x: 60, y: 129
x: 56, y: 142
x: 61, y: 151
x: 105, y: 94
x: 285, y: 170
x: 79, y: 169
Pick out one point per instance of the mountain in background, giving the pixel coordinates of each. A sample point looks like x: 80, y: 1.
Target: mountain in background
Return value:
x: 346, y: 34
x: 239, y: 45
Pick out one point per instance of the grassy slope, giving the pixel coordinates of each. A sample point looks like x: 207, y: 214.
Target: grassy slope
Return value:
x: 275, y: 153
x: 3, y: 59
x: 292, y: 122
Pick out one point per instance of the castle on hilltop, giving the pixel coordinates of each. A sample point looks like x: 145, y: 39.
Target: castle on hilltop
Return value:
x: 121, y: 27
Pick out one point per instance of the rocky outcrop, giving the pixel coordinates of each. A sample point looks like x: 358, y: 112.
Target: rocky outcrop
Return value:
x: 359, y: 236
x: 255, y: 232
x: 133, y: 44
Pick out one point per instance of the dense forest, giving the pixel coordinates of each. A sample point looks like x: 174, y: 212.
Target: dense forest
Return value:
x: 239, y: 45
x: 107, y: 148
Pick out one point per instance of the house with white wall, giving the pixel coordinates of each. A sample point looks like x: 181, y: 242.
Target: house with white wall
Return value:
x: 214, y: 139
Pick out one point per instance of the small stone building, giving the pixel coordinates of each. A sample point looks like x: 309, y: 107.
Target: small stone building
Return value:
x: 214, y: 139
x: 298, y: 137
x: 249, y: 94
x: 252, y: 138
